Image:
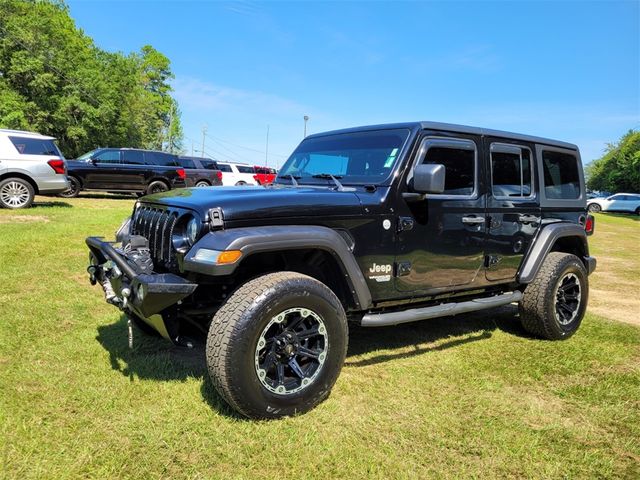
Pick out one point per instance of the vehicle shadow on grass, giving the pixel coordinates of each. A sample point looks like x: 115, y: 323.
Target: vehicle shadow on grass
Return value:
x: 155, y: 358
x: 50, y: 203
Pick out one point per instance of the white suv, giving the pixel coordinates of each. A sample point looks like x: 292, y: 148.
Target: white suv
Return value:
x: 30, y: 164
x: 237, y: 174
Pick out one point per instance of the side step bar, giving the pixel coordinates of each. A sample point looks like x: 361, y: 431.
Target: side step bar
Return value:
x: 442, y: 310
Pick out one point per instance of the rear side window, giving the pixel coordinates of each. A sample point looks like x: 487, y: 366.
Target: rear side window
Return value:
x: 224, y: 168
x: 186, y: 163
x: 561, y: 177
x: 209, y: 165
x: 510, y: 171
x: 35, y: 146
x: 242, y: 169
x: 108, y: 156
x: 161, y: 159
x: 459, y: 159
x: 132, y: 157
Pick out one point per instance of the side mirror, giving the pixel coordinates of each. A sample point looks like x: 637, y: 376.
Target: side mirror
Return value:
x: 428, y: 178
x: 91, y: 160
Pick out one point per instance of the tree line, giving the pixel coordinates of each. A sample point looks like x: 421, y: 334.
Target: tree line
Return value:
x: 56, y: 81
x: 618, y: 170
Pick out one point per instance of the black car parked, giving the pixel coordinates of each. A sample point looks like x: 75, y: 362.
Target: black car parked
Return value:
x: 124, y: 170
x: 201, y: 172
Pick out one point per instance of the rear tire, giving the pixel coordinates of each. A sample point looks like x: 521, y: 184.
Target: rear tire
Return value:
x: 16, y: 193
x: 240, y: 183
x: 637, y: 211
x: 554, y: 303
x: 276, y: 347
x: 157, y: 186
x: 594, y: 208
x: 202, y: 184
x: 74, y: 188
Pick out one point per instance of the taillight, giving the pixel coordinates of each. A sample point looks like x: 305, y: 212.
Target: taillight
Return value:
x: 58, y: 166
x: 219, y: 175
x: 590, y: 225
x: 181, y: 173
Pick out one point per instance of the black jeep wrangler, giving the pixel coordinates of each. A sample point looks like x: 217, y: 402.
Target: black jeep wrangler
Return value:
x: 377, y: 225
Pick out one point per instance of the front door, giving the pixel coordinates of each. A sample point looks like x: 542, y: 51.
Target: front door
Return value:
x: 103, y: 173
x: 513, y: 207
x: 441, y: 238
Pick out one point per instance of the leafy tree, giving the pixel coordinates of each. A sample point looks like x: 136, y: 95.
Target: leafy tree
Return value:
x: 618, y: 170
x: 53, y: 79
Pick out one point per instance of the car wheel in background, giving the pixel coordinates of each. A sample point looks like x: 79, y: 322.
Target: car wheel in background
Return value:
x: 202, y: 183
x: 594, y: 208
x: 74, y: 188
x: 638, y: 211
x: 16, y: 193
x: 157, y: 186
x: 240, y: 183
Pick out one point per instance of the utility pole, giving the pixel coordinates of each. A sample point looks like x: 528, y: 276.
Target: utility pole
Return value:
x: 192, y: 148
x: 204, y: 131
x: 306, y: 119
x: 169, y: 147
x: 266, y: 152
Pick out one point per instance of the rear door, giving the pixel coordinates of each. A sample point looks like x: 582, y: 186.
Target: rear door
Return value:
x: 134, y: 170
x: 513, y: 207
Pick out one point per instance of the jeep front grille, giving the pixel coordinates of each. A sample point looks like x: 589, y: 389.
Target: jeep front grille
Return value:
x: 156, y: 225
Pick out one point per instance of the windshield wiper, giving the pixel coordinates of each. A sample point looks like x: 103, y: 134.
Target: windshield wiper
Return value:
x: 293, y: 178
x: 328, y: 176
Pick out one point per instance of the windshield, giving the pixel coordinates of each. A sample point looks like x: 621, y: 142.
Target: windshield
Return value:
x: 356, y: 158
x: 86, y: 156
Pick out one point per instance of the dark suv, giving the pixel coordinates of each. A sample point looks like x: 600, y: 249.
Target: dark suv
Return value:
x: 201, y: 172
x: 377, y: 225
x: 124, y: 170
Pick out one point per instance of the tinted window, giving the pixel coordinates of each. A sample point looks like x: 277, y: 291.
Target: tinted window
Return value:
x: 132, y: 157
x: 209, y: 164
x: 186, y: 162
x: 361, y: 157
x: 242, y: 169
x: 108, y: 156
x: 35, y: 146
x: 161, y: 159
x: 224, y: 168
x: 561, y: 178
x: 459, y: 164
x: 510, y: 171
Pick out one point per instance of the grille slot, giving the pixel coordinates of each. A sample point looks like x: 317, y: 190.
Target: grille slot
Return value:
x: 156, y: 225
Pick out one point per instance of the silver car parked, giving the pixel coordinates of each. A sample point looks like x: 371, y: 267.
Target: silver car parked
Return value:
x: 30, y: 164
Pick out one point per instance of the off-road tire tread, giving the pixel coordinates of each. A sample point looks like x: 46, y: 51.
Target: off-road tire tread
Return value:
x: 534, y: 313
x: 225, y: 326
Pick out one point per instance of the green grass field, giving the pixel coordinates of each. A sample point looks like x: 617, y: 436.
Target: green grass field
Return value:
x: 471, y: 396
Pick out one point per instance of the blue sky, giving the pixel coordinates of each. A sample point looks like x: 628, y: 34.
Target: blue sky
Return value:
x: 567, y: 70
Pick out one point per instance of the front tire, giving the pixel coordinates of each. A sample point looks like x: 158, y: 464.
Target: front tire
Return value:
x: 16, y: 193
x: 594, y: 208
x: 276, y: 347
x: 555, y: 302
x: 74, y: 188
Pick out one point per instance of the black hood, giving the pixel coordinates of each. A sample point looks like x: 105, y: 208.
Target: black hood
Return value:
x: 239, y: 203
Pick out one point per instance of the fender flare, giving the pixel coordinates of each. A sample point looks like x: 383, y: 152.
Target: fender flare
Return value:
x: 250, y: 240
x: 543, y: 244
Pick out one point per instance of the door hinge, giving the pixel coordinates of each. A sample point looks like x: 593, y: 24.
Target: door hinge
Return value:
x: 405, y: 224
x: 403, y: 269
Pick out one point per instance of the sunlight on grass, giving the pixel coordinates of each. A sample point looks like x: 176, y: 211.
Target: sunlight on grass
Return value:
x: 471, y: 396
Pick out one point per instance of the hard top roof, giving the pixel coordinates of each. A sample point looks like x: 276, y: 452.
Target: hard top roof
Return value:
x: 24, y: 133
x: 450, y: 127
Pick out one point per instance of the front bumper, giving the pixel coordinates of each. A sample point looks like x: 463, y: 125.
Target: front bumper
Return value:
x: 144, y: 294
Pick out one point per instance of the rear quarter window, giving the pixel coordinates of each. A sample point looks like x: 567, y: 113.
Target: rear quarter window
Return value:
x: 161, y: 159
x: 561, y: 175
x: 35, y: 146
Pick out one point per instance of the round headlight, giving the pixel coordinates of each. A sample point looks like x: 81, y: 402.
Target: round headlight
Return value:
x: 192, y: 231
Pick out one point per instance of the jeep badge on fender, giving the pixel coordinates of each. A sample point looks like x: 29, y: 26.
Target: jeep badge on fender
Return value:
x: 380, y: 225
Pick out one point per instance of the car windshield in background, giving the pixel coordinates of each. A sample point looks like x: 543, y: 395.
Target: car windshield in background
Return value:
x: 87, y: 156
x: 359, y: 158
x: 35, y: 146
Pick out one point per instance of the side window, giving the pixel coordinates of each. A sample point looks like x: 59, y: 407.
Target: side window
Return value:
x: 209, y: 164
x: 561, y: 177
x: 108, y: 156
x: 243, y: 169
x: 510, y: 171
x: 161, y: 159
x: 35, y: 146
x: 186, y: 163
x: 132, y: 157
x: 459, y: 159
x: 224, y: 167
